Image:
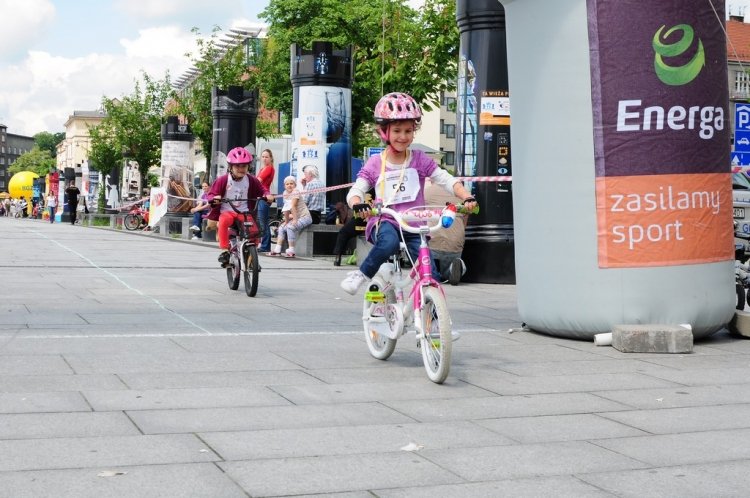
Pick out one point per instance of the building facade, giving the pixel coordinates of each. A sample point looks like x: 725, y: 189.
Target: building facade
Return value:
x: 11, y: 147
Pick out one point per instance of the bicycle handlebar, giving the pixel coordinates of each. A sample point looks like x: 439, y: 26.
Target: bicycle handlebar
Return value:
x: 445, y: 216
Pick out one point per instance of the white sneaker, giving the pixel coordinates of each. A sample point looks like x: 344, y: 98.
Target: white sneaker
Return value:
x: 195, y: 238
x: 195, y: 228
x: 353, y: 281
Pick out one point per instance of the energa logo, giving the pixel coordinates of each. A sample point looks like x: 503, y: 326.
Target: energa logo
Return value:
x: 677, y: 75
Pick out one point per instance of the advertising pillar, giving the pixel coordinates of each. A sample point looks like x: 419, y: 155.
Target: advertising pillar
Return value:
x: 235, y: 111
x: 483, y: 139
x: 322, y: 81
x: 623, y: 204
x: 177, y: 166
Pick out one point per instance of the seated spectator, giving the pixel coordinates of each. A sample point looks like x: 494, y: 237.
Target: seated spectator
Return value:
x: 315, y: 201
x: 447, y: 245
x: 350, y: 229
x: 201, y: 208
x: 296, y: 218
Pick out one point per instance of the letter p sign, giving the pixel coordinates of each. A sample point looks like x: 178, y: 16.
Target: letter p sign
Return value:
x: 742, y: 117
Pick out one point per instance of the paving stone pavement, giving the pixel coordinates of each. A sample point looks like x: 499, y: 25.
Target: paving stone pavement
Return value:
x: 128, y: 368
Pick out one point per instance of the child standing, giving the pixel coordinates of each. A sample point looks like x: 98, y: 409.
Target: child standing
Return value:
x: 397, y: 175
x: 236, y: 184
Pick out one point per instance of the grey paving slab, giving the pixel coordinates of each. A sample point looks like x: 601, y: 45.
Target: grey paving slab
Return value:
x: 330, y: 474
x: 416, y: 388
x: 684, y: 448
x: 39, y: 402
x: 681, y: 396
x: 692, y: 419
x: 538, y: 487
x: 598, y: 366
x: 216, y: 379
x: 554, y: 428
x: 98, y: 452
x: 316, y: 441
x: 256, y: 418
x: 704, y: 377
x: 529, y: 460
x: 725, y: 479
x: 183, y: 398
x: 33, y: 365
x: 505, y: 406
x: 23, y: 345
x: 202, y: 480
x: 55, y: 425
x: 506, y: 384
x: 185, y: 362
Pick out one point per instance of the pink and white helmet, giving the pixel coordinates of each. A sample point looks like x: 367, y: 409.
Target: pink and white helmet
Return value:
x: 239, y: 155
x: 396, y: 106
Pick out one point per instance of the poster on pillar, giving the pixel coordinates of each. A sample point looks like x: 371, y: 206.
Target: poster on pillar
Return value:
x: 322, y: 131
x: 177, y: 174
x: 661, y: 139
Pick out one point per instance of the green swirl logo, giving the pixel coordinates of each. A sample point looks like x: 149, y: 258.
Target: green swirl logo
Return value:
x: 677, y: 75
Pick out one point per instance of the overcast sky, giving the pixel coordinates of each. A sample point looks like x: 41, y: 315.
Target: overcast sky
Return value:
x: 57, y: 56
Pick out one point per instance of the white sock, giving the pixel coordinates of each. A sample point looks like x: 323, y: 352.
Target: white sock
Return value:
x: 277, y: 248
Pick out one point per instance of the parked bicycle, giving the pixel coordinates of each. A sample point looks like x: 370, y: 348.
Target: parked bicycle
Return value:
x: 387, y: 314
x: 136, y: 218
x: 243, y: 251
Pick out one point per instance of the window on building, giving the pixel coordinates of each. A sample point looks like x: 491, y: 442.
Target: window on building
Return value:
x: 450, y: 131
x: 450, y: 103
x: 450, y: 158
x: 442, y: 127
x: 741, y: 83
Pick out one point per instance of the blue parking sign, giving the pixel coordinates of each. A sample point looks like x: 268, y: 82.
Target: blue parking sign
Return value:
x: 741, y: 116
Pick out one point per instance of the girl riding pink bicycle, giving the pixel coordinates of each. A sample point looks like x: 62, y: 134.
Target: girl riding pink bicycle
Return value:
x: 397, y: 176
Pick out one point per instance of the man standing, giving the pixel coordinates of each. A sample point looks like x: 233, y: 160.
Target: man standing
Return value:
x: 72, y: 192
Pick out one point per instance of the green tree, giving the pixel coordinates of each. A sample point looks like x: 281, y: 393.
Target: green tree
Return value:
x: 396, y: 48
x: 36, y: 160
x: 132, y: 126
x: 221, y: 68
x: 48, y: 141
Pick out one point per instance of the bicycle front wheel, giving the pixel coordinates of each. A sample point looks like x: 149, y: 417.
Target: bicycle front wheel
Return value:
x: 252, y: 268
x: 233, y: 270
x: 131, y: 221
x: 379, y: 344
x: 436, y: 343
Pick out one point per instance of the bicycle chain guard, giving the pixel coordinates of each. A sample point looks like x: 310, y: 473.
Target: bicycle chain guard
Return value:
x: 385, y: 319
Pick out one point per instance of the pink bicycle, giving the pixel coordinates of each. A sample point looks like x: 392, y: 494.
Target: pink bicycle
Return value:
x: 387, y: 314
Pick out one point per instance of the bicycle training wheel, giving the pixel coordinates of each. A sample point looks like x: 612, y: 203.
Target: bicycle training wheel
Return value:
x: 436, y: 344
x: 380, y: 345
x: 233, y: 271
x: 252, y: 268
x: 132, y: 221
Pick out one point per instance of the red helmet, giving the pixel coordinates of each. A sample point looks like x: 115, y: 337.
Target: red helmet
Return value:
x: 397, y: 106
x: 239, y: 155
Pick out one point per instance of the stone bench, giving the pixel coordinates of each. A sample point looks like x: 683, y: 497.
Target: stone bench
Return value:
x: 310, y: 241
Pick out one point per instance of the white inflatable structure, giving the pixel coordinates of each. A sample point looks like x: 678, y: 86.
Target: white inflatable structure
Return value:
x: 622, y: 191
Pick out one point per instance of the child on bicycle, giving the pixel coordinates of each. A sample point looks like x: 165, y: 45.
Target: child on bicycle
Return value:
x: 397, y: 176
x: 236, y: 184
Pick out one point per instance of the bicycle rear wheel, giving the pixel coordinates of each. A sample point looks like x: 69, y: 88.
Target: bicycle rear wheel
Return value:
x: 132, y: 221
x: 380, y: 345
x: 436, y: 343
x: 252, y: 268
x: 233, y: 270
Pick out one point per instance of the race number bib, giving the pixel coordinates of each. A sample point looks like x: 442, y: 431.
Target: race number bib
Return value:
x: 399, y: 186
